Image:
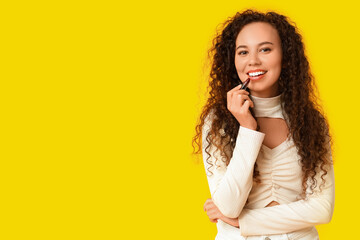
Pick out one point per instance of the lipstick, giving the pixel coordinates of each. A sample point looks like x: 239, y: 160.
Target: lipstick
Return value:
x: 244, y: 86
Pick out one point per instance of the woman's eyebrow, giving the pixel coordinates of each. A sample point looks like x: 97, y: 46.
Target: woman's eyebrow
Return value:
x: 262, y: 43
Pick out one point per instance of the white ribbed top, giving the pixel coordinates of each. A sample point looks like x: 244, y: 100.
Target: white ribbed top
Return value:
x: 279, y: 167
x: 236, y: 195
x: 268, y: 107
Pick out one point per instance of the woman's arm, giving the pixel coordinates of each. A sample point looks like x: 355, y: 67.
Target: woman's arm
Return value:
x: 316, y: 209
x: 230, y: 186
x: 214, y: 214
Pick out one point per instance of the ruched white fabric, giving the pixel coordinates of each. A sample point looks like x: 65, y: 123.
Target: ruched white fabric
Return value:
x: 237, y: 196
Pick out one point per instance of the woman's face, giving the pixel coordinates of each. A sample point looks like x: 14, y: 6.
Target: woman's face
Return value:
x: 258, y: 56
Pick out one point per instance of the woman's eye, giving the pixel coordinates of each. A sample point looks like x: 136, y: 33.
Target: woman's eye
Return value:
x: 242, y: 52
x: 265, y: 50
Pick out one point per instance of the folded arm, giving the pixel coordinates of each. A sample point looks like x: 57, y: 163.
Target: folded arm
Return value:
x: 316, y: 209
x: 230, y: 185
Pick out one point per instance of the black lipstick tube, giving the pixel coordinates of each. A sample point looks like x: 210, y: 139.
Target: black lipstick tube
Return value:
x: 244, y: 86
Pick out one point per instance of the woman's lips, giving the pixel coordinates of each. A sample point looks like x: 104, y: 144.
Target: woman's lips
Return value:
x: 257, y: 77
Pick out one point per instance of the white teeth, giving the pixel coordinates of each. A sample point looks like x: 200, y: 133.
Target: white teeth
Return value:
x: 253, y: 74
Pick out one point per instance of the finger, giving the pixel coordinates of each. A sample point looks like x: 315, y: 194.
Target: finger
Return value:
x: 231, y: 95
x: 211, y: 209
x: 207, y: 203
x: 239, y: 91
x: 205, y: 207
x: 251, y: 103
x: 248, y: 99
x: 241, y: 99
x: 213, y: 219
x: 247, y: 104
x: 245, y: 99
x: 208, y: 207
x: 238, y: 87
x: 214, y: 214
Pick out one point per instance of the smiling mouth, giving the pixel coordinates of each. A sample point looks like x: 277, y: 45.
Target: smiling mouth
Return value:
x: 256, y: 74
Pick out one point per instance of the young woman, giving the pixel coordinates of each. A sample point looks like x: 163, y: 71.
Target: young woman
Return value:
x: 266, y: 149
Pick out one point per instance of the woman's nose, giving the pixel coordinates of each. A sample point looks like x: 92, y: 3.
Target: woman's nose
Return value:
x: 254, y: 59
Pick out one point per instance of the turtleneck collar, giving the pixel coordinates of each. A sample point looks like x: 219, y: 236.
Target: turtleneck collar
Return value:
x: 268, y: 107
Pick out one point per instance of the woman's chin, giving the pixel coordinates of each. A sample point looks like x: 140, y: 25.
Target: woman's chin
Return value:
x: 258, y: 89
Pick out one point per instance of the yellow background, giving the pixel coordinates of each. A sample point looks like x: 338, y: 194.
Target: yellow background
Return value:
x: 99, y: 101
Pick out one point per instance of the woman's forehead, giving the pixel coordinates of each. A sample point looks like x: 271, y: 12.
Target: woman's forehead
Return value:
x: 257, y: 32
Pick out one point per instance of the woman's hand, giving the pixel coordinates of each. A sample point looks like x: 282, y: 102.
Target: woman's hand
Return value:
x: 238, y: 103
x: 214, y: 214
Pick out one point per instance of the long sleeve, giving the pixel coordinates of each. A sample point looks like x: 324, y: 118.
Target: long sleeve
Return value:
x: 230, y: 186
x: 316, y: 209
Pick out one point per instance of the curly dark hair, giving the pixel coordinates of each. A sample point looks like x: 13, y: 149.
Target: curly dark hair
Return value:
x: 307, y: 123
